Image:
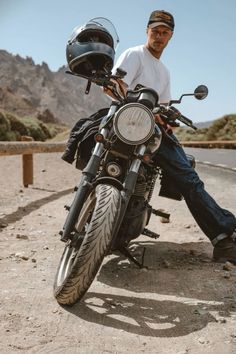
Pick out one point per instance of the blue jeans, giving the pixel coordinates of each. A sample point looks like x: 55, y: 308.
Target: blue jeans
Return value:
x: 211, y: 218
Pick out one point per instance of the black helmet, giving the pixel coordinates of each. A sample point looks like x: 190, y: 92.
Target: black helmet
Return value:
x: 91, y: 49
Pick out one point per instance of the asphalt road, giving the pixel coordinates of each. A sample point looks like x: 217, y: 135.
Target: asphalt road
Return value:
x: 225, y: 158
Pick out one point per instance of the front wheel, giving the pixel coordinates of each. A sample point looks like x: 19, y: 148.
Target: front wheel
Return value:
x: 83, y: 255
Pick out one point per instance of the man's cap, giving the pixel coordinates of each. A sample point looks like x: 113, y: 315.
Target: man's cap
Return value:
x: 161, y: 18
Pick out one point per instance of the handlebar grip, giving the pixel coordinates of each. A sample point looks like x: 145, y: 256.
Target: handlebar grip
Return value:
x: 187, y: 121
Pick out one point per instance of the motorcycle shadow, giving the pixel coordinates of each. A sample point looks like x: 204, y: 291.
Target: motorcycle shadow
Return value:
x: 174, y: 296
x: 169, y: 268
x: 142, y: 316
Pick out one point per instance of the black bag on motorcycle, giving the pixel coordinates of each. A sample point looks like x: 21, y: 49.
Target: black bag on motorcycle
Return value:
x: 81, y: 140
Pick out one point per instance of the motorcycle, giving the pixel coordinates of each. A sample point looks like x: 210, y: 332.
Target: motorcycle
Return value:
x: 111, y: 205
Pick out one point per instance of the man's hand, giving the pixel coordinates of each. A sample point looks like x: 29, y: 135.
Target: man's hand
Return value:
x: 120, y: 87
x: 164, y: 124
x: 159, y: 120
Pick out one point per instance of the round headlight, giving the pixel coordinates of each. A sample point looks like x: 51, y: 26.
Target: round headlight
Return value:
x: 134, y: 123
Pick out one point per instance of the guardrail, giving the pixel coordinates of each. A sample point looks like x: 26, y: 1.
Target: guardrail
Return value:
x: 214, y: 144
x: 28, y: 148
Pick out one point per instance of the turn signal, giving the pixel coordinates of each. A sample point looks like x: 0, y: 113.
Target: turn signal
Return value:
x: 99, y: 138
x: 147, y: 158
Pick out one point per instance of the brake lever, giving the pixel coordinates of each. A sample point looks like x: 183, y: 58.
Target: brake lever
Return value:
x: 170, y: 114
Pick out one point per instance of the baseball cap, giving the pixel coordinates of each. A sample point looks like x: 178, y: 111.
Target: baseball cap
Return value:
x: 161, y: 18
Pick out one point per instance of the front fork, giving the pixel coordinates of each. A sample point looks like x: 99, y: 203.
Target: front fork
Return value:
x: 128, y: 188
x: 85, y: 185
x: 82, y: 190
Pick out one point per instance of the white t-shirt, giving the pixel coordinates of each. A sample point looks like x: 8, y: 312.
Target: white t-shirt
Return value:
x: 143, y: 68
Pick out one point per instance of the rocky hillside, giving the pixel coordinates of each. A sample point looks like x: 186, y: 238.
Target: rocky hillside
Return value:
x: 30, y: 89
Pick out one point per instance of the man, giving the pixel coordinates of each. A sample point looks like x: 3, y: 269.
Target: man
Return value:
x: 143, y: 66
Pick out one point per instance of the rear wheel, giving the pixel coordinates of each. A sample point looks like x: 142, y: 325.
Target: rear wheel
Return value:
x: 83, y: 255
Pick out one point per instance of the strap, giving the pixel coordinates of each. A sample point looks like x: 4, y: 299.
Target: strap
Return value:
x: 233, y: 236
x: 218, y: 239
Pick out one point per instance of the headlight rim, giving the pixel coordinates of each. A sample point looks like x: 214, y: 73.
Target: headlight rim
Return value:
x: 152, y: 125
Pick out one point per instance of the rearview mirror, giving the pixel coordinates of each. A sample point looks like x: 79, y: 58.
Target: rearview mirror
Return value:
x: 201, y: 92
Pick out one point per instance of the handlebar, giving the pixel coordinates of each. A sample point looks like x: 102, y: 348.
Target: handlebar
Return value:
x: 108, y: 81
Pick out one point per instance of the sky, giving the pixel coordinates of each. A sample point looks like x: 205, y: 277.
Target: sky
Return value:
x: 201, y: 51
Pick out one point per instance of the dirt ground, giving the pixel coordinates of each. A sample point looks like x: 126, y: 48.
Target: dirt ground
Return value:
x: 180, y: 303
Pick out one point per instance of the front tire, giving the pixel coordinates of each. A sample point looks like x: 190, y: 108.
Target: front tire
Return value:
x: 83, y: 256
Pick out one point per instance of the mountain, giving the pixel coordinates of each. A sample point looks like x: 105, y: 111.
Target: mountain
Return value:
x: 200, y: 125
x: 206, y: 124
x: 27, y: 89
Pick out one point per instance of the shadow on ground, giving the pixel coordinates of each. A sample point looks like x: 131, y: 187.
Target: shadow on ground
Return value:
x: 142, y: 316
x: 178, y: 293
x: 21, y: 212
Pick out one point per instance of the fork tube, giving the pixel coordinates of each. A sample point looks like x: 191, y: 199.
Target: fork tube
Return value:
x: 92, y: 166
x: 129, y: 187
x: 130, y: 181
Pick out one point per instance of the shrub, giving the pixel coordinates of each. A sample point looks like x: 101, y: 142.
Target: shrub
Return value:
x: 16, y: 124
x: 221, y: 129
x: 13, y: 127
x: 45, y: 130
x: 34, y: 129
x: 5, y: 127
